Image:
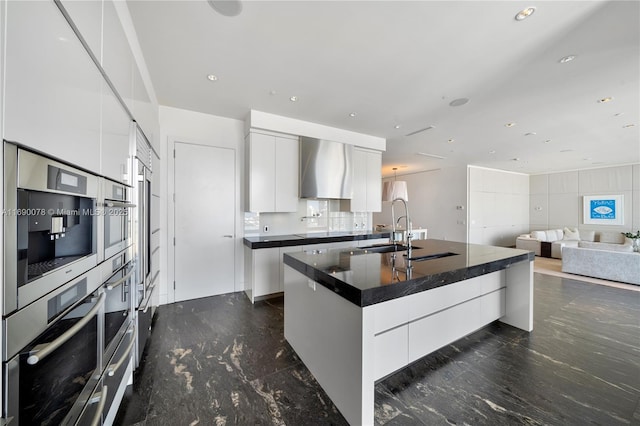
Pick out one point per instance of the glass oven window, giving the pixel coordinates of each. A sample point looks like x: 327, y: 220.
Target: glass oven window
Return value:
x: 49, y: 388
x: 115, y: 223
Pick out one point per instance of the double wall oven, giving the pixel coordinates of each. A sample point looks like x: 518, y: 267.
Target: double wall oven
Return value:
x: 69, y: 292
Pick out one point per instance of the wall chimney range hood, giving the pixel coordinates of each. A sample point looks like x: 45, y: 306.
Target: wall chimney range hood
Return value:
x: 326, y: 169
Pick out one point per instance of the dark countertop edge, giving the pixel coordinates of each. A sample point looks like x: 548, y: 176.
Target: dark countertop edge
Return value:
x: 364, y: 298
x: 282, y: 241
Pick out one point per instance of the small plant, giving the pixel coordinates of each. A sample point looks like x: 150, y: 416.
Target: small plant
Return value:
x: 635, y: 236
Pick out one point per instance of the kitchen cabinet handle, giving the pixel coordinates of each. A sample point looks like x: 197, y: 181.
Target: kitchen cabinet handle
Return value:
x: 103, y: 400
x: 41, y: 351
x: 146, y: 307
x: 111, y: 286
x: 119, y: 204
x: 228, y: 236
x: 111, y: 370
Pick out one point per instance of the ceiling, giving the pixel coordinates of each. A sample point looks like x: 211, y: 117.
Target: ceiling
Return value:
x: 399, y: 65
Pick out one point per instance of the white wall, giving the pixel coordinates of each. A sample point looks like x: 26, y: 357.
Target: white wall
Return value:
x: 204, y: 129
x: 556, y: 198
x: 498, y: 206
x: 434, y: 196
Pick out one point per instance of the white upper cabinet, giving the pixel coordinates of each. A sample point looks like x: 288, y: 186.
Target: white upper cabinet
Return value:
x: 367, y: 181
x: 52, y: 87
x: 116, y: 125
x: 272, y: 168
x: 87, y: 17
x: 143, y: 110
x: 117, y: 59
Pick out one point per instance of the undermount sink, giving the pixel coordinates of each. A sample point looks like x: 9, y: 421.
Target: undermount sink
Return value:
x: 432, y: 256
x: 387, y: 248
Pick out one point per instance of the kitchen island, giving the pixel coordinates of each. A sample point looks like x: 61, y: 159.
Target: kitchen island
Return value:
x: 355, y: 316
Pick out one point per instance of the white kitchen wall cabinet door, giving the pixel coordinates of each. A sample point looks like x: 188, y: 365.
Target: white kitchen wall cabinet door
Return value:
x: 52, y: 87
x: 204, y: 182
x: 272, y: 169
x: 114, y: 145
x: 367, y: 175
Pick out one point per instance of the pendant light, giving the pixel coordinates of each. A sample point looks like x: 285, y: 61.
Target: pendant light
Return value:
x: 394, y: 189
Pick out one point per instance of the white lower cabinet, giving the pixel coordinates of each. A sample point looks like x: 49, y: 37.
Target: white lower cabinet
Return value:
x: 265, y: 271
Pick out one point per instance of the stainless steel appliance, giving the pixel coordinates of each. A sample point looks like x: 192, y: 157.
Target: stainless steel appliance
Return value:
x: 54, y: 355
x: 116, y: 208
x: 326, y: 169
x: 49, y: 224
x: 142, y: 242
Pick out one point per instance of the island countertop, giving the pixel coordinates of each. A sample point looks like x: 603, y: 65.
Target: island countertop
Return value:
x: 365, y: 278
x: 270, y: 241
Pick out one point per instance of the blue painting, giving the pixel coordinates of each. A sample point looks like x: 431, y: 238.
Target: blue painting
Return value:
x: 603, y: 209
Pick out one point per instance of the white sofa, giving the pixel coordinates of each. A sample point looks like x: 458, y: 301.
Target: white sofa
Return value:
x: 561, y: 238
x: 621, y: 264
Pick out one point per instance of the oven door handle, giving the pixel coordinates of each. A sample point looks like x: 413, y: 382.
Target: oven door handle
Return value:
x: 119, y: 204
x: 103, y: 400
x: 41, y: 351
x: 113, y: 285
x: 112, y: 368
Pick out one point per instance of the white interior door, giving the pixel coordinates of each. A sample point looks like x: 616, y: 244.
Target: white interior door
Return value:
x: 204, y: 179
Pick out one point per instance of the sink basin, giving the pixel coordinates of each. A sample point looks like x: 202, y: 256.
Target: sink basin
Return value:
x: 432, y: 256
x: 387, y: 248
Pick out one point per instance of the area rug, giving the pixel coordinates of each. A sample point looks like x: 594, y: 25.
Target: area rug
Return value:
x: 549, y: 266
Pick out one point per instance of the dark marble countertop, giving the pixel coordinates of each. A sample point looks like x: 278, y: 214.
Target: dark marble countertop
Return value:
x: 269, y: 241
x: 365, y: 278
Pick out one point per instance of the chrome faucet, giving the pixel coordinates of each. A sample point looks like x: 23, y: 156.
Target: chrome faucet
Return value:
x: 408, y: 223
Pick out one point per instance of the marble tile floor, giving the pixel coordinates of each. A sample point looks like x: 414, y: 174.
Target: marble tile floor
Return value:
x: 222, y: 361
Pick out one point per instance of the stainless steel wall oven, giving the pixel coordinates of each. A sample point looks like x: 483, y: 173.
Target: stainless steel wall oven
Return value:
x: 49, y: 224
x: 116, y: 208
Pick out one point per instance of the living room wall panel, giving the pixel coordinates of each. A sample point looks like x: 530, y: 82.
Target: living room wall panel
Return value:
x: 563, y: 183
x: 539, y: 184
x: 564, y: 210
x: 539, y: 211
x: 606, y: 181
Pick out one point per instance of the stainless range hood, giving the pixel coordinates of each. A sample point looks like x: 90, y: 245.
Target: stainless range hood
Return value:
x: 325, y: 169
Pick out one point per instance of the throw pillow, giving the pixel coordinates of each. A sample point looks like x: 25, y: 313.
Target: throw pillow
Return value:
x: 539, y: 235
x: 571, y: 234
x: 588, y: 236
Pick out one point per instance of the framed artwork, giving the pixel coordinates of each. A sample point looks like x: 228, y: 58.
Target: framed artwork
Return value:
x: 603, y: 209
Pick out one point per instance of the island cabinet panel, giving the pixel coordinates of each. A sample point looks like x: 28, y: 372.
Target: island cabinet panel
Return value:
x: 272, y: 167
x: 52, y: 86
x: 391, y: 351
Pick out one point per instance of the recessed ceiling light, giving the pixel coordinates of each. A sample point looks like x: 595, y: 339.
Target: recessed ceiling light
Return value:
x: 618, y: 114
x: 493, y: 151
x: 587, y: 159
x: 458, y: 102
x: 567, y: 58
x: 515, y: 159
x: 626, y: 126
x: 509, y: 124
x: 352, y: 114
x: 525, y: 13
x: 272, y: 92
x: 530, y: 134
x: 547, y: 141
x: 293, y: 98
x: 397, y: 126
x: 212, y: 77
x: 605, y: 100
x: 566, y: 150
x: 451, y: 141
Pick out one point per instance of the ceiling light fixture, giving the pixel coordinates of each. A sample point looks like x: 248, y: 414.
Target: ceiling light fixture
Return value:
x: 392, y: 190
x: 530, y: 134
x: 566, y: 150
x: 397, y: 126
x: 293, y: 99
x: 451, y: 141
x: 272, y: 92
x: 567, y: 58
x: 458, y: 102
x: 525, y: 13
x: 352, y: 114
x: 493, y: 151
x: 212, y: 77
x: 509, y: 124
x: 515, y: 159
x: 547, y: 141
x: 626, y: 126
x: 618, y: 114
x: 605, y: 100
